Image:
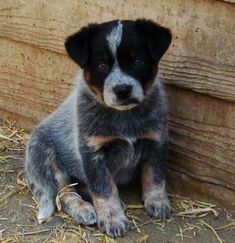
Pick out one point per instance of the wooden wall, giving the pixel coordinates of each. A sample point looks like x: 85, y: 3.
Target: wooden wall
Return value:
x: 199, y: 70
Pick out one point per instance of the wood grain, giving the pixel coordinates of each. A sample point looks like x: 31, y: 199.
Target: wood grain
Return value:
x: 202, y: 76
x: 201, y: 57
x: 228, y: 1
x: 32, y: 82
x: 202, y: 142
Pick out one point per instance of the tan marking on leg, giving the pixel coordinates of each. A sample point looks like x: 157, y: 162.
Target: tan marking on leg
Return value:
x: 99, y: 141
x: 148, y: 183
x: 59, y: 177
x: 111, y: 217
x: 102, y: 203
x: 155, y: 197
x: 152, y: 135
x: 147, y: 180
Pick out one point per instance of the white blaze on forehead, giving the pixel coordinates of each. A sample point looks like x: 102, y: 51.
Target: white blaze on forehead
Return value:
x: 114, y: 38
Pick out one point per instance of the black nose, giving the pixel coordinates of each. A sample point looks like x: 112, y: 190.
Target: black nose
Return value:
x: 122, y: 91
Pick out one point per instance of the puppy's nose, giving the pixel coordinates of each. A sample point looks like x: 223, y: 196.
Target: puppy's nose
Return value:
x: 122, y: 91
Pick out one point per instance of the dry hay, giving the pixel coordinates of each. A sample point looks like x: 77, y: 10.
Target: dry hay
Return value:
x: 14, y: 139
x: 191, y: 209
x: 11, y: 138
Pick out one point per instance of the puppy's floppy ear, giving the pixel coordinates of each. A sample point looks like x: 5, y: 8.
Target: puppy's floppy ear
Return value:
x: 77, y: 45
x: 158, y: 37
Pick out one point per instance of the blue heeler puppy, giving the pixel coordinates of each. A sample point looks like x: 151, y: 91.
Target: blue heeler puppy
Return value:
x: 111, y: 127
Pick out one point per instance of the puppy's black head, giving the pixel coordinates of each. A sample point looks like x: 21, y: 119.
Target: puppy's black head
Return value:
x: 119, y: 58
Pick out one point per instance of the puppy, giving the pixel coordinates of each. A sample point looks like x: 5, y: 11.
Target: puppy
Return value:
x: 113, y: 125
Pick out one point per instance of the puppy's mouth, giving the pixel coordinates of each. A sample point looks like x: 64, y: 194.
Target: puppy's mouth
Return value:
x: 125, y: 105
x: 130, y: 101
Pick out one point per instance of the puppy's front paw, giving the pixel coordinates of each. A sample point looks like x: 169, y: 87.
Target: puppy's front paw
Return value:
x: 114, y: 222
x: 158, y: 207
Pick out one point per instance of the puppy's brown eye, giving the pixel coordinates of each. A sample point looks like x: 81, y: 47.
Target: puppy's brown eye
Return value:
x: 138, y: 62
x: 102, y: 66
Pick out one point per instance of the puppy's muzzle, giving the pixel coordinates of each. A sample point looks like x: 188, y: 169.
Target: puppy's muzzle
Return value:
x: 123, y: 93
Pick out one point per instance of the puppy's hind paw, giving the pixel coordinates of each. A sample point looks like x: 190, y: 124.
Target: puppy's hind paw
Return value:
x: 86, y: 216
x: 81, y: 211
x: 45, y: 211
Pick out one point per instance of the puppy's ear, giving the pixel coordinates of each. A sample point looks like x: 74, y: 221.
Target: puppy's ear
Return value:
x: 158, y: 37
x: 77, y: 45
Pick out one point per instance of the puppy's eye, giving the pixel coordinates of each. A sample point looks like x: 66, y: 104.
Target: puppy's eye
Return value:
x: 102, y: 66
x: 138, y: 62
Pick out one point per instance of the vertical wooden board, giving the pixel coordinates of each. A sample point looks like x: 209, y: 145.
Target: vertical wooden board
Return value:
x: 202, y: 145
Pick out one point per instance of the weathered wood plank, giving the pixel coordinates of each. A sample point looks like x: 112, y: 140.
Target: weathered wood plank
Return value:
x: 32, y: 81
x: 202, y: 144
x: 228, y: 1
x: 201, y: 57
x: 201, y: 76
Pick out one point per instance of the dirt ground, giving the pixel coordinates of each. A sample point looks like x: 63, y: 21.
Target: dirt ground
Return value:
x: 192, y: 221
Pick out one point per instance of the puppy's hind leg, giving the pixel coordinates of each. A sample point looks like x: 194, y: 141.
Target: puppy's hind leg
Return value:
x: 46, y: 180
x: 39, y: 175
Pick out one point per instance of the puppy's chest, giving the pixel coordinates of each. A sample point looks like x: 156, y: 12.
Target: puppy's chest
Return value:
x: 120, y: 152
x: 129, y: 125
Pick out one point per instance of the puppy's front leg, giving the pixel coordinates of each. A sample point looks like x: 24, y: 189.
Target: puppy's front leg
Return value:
x: 111, y: 217
x: 155, y: 197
